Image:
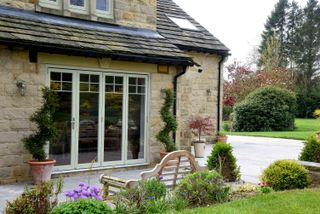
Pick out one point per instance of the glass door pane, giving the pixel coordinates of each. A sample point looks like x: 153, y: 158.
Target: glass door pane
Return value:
x: 60, y: 148
x: 136, y: 117
x: 88, y: 118
x: 113, y: 118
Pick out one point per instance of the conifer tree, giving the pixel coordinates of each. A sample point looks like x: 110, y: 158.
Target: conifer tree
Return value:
x: 276, y: 23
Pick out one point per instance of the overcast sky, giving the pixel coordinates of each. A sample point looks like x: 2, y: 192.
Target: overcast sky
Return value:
x: 237, y: 23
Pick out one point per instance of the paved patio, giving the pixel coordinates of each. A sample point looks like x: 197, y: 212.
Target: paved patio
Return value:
x: 254, y: 154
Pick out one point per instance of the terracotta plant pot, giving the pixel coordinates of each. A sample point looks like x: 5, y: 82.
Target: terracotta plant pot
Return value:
x: 41, y: 170
x: 222, y: 138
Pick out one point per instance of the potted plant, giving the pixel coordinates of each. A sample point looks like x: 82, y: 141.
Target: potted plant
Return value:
x: 170, y: 124
x: 221, y: 137
x: 199, y: 126
x: 41, y: 168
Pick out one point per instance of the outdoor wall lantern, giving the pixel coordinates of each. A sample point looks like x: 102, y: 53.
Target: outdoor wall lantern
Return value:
x: 21, y: 87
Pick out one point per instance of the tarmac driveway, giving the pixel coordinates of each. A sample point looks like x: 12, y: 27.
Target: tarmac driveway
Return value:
x: 254, y: 154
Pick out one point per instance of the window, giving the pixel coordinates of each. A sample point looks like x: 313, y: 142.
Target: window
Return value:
x: 183, y: 23
x: 104, y: 8
x: 55, y: 4
x: 100, y: 8
x: 78, y: 6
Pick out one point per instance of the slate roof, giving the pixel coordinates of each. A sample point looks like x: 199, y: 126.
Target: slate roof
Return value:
x: 59, y: 34
x: 56, y: 34
x: 201, y: 40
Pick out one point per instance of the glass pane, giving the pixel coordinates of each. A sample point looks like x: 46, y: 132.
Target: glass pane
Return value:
x: 84, y: 77
x: 109, y: 79
x: 141, y: 81
x: 55, y: 76
x: 118, y: 80
x: 103, y: 5
x: 94, y: 87
x: 132, y: 89
x: 109, y: 88
x: 113, y: 127
x: 136, y: 126
x: 88, y: 127
x: 118, y: 88
x: 67, y: 86
x: 132, y: 81
x: 60, y: 148
x: 141, y: 89
x: 84, y: 87
x: 67, y: 77
x: 79, y: 3
x: 94, y: 78
x: 55, y: 86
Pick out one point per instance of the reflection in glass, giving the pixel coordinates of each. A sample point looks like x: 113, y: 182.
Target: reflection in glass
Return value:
x: 113, y: 127
x: 79, y: 3
x: 88, y: 123
x: 136, y: 121
x: 102, y: 5
x: 60, y: 148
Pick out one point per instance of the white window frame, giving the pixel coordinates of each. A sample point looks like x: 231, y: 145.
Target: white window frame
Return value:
x: 79, y: 9
x: 102, y: 13
x: 50, y: 4
x: 100, y: 164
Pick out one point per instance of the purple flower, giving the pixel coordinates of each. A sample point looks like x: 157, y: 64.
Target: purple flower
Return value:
x: 160, y: 178
x: 69, y: 194
x: 82, y: 184
x: 99, y: 198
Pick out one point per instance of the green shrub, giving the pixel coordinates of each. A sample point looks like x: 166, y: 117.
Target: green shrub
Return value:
x: 81, y: 206
x: 223, y: 161
x: 226, y: 127
x: 202, y: 188
x: 285, y: 175
x: 39, y: 199
x: 311, y: 151
x: 147, y: 195
x: 265, y: 109
x: 170, y: 122
x: 226, y: 112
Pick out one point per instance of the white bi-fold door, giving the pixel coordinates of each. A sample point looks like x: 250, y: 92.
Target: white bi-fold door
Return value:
x: 101, y: 118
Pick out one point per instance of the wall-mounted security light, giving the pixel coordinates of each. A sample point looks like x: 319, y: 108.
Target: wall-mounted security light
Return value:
x: 21, y: 87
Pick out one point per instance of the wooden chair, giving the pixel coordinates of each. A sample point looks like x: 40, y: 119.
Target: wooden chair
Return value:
x: 172, y: 168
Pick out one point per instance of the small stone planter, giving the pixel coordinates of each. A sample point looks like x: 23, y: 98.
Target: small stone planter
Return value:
x: 314, y: 171
x: 199, y: 149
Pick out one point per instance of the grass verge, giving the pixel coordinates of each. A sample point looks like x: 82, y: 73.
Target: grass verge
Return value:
x: 304, y: 129
x: 291, y: 202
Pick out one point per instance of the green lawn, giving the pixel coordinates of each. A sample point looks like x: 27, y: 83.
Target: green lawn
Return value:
x: 289, y: 202
x: 304, y: 129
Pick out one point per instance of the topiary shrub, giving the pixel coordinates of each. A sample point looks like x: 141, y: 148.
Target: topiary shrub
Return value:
x: 171, y: 125
x: 265, y: 109
x: 311, y: 151
x: 202, y: 188
x: 80, y: 206
x: 222, y: 160
x: 285, y: 175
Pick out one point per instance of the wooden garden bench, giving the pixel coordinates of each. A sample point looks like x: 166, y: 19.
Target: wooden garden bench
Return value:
x: 172, y: 168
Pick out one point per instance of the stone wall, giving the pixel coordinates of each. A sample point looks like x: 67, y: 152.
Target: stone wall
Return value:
x: 15, y: 111
x: 197, y: 95
x: 132, y: 13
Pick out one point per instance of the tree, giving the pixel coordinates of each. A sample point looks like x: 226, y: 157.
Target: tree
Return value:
x: 308, y: 59
x: 242, y: 80
x: 294, y: 22
x: 276, y: 24
x: 270, y: 56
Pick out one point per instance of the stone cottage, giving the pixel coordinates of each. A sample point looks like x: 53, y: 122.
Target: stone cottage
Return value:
x: 108, y: 61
